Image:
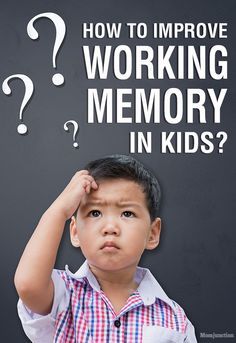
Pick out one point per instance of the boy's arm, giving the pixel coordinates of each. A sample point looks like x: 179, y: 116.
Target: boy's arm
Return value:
x: 190, y: 333
x: 33, y: 275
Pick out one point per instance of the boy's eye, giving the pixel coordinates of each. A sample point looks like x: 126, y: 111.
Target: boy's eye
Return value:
x: 128, y: 214
x: 94, y: 213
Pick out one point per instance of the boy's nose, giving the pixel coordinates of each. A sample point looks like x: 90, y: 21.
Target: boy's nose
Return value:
x: 110, y: 228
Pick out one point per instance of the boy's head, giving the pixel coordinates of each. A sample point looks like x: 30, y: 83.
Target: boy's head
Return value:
x: 118, y: 221
x: 128, y: 168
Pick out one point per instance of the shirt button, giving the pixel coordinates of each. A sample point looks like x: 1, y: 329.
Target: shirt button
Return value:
x: 117, y: 323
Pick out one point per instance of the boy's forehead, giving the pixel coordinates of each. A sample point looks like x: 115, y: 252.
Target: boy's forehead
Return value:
x: 119, y: 190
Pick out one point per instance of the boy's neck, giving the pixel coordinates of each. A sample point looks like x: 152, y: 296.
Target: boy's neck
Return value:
x: 118, y: 280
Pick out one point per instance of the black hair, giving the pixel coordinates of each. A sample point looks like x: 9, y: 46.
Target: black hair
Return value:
x: 126, y: 167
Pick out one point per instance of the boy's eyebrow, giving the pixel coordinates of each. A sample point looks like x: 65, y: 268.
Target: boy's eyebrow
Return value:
x: 122, y: 203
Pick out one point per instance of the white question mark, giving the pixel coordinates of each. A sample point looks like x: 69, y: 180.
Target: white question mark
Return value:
x: 29, y: 89
x: 57, y: 79
x: 223, y: 140
x: 76, y: 127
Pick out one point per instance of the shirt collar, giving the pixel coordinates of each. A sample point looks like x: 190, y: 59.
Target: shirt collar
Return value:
x: 84, y: 271
x: 149, y: 288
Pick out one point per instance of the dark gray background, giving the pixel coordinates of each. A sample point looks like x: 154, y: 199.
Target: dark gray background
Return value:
x: 196, y: 260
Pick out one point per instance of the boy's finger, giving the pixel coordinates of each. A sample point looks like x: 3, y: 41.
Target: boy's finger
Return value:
x: 91, y: 181
x: 87, y: 186
x: 88, y: 178
x: 82, y: 172
x: 94, y: 184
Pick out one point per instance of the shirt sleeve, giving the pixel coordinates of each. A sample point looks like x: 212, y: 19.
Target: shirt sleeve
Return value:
x: 190, y: 333
x: 39, y: 328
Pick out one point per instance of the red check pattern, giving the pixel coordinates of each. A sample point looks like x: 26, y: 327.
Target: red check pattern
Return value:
x: 90, y: 316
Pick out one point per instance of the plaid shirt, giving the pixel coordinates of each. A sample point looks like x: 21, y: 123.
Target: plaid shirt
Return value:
x: 82, y: 313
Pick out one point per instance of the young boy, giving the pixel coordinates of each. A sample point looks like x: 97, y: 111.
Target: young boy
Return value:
x: 113, y: 206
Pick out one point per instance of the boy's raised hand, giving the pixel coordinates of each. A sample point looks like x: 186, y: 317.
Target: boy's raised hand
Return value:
x: 69, y: 200
x: 33, y: 275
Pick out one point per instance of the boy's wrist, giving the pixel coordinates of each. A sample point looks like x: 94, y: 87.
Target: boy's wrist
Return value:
x: 57, y: 212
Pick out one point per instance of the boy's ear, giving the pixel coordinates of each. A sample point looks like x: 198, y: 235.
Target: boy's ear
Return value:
x: 74, y: 233
x: 154, y: 234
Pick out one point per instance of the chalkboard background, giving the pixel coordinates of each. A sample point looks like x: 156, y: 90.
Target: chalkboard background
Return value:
x: 196, y: 260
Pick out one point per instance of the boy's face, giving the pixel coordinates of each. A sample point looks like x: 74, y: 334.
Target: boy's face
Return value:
x: 113, y: 225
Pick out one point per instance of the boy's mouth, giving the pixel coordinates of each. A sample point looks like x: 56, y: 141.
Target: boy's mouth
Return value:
x: 110, y: 245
